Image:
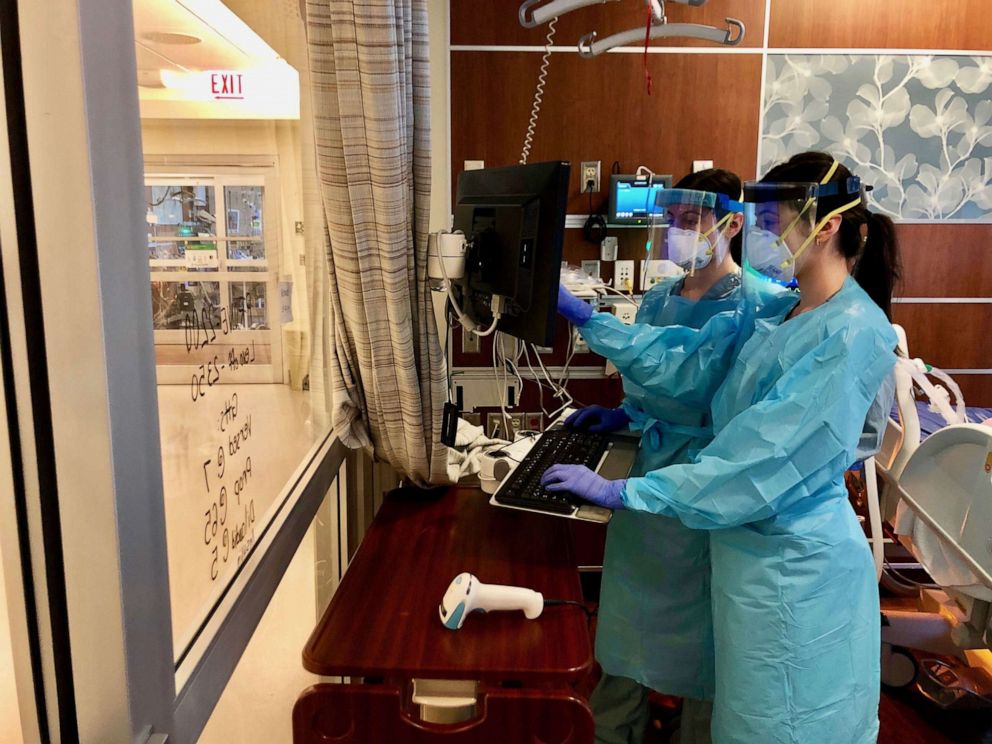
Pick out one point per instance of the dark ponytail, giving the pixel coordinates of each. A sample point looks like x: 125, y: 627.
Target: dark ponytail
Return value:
x: 878, y: 267
x: 876, y: 256
x: 717, y: 181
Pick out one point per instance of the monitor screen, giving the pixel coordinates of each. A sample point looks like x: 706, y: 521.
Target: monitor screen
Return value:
x: 514, y: 221
x: 632, y: 198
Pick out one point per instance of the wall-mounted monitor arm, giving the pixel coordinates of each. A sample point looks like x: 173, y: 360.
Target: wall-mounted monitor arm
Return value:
x: 589, y: 46
x: 533, y: 13
x: 531, y: 16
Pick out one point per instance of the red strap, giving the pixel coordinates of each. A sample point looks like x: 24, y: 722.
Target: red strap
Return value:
x: 647, y: 40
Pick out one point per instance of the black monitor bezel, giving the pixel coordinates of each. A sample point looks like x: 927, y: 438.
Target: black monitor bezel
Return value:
x: 517, y: 185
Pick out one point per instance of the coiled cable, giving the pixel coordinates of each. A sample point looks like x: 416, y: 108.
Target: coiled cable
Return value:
x: 538, y: 92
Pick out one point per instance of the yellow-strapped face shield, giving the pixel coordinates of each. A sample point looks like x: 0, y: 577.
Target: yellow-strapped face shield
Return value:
x: 688, y: 229
x: 773, y: 213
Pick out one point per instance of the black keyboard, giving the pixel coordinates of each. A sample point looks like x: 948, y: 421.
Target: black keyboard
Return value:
x: 558, y: 446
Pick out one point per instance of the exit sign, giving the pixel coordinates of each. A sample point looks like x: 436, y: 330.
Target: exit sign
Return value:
x: 227, y: 86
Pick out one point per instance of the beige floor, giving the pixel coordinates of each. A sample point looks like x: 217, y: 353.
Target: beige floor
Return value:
x: 257, y: 705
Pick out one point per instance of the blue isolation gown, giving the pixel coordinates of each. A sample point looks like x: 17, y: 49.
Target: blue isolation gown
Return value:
x: 794, y: 599
x: 654, y: 621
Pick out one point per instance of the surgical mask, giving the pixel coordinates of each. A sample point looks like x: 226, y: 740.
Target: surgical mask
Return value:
x: 768, y: 253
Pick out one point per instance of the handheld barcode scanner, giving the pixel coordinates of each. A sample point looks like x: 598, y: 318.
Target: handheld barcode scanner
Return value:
x: 467, y: 594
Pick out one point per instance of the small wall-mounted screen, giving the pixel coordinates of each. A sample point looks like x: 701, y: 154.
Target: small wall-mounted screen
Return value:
x: 632, y: 198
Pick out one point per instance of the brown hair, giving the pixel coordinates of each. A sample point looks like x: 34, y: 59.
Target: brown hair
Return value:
x: 877, y: 267
x: 718, y: 181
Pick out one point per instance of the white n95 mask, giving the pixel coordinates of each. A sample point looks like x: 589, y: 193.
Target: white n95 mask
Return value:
x: 688, y: 249
x: 767, y: 253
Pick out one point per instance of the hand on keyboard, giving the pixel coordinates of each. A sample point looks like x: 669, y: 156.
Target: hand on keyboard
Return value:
x: 598, y: 419
x: 584, y: 483
x: 522, y: 487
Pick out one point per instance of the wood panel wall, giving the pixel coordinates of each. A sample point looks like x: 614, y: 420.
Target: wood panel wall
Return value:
x: 598, y: 110
x: 880, y: 24
x: 705, y: 105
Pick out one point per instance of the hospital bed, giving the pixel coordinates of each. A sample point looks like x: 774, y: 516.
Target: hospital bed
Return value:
x: 936, y: 492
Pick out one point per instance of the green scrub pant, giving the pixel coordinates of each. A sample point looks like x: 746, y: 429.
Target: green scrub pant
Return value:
x: 620, y: 709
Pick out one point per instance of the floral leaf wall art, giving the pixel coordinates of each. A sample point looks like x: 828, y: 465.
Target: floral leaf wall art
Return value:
x: 917, y: 128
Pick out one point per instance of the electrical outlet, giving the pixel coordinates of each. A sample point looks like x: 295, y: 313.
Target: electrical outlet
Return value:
x: 699, y: 165
x: 534, y: 421
x: 470, y: 342
x: 654, y: 271
x: 591, y: 268
x: 579, y: 343
x: 517, y: 421
x: 475, y: 164
x: 625, y: 311
x: 590, y: 173
x: 545, y: 349
x: 494, y: 424
x: 623, y: 276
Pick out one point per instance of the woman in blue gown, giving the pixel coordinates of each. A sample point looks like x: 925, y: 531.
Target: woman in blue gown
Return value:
x: 794, y: 600
x: 654, y: 629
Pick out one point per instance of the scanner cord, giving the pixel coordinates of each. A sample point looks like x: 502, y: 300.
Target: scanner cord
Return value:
x: 557, y: 602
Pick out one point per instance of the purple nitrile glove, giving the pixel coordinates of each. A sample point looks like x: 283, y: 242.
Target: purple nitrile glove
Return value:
x: 575, y: 310
x: 585, y: 484
x: 598, y: 419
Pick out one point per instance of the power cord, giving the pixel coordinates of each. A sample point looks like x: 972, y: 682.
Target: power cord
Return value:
x: 627, y: 296
x: 501, y: 391
x: 594, y: 229
x: 560, y: 392
x: 496, y: 304
x: 539, y: 92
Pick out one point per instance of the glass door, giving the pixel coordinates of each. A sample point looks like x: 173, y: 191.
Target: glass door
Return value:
x: 184, y: 487
x: 215, y: 278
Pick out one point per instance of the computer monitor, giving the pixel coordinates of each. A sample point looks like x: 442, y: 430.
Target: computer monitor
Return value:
x: 632, y: 198
x: 514, y: 221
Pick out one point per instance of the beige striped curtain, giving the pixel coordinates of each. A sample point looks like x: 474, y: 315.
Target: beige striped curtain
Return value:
x: 369, y: 81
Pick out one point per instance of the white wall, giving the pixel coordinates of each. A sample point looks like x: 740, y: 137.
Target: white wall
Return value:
x: 439, y: 30
x: 437, y: 16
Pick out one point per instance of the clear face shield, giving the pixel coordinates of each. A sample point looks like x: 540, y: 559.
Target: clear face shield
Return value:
x: 781, y: 221
x: 688, y: 229
x: 779, y: 224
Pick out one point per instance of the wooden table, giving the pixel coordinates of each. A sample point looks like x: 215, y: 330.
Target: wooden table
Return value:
x: 383, y: 619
